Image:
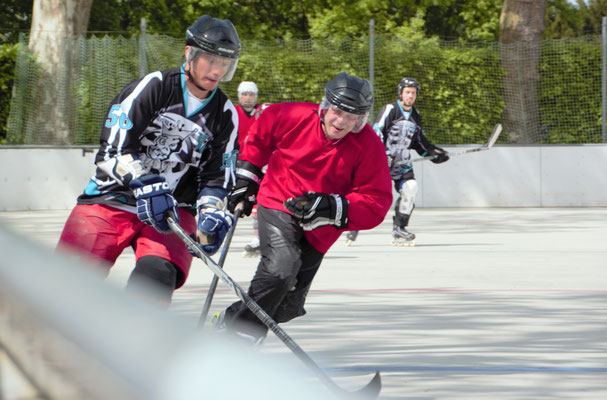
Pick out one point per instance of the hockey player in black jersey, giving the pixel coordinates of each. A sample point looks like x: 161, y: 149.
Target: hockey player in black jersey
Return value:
x: 168, y: 144
x: 400, y: 127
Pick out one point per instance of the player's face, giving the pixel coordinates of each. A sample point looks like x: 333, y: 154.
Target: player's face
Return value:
x: 408, y: 96
x: 338, y: 123
x: 207, y: 69
x: 248, y: 100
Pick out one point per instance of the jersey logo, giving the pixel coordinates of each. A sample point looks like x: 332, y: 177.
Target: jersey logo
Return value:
x: 171, y: 143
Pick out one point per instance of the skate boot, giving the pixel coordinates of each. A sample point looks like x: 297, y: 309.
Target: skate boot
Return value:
x: 252, y: 249
x: 217, y: 322
x: 351, y: 237
x: 401, y: 237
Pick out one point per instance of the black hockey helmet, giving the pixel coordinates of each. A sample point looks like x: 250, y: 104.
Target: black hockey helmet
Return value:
x: 408, y: 82
x: 351, y: 94
x: 216, y: 37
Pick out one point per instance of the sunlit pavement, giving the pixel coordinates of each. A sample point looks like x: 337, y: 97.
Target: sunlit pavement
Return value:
x: 492, y: 303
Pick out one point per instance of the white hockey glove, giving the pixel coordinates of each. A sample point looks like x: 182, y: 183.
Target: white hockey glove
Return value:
x: 318, y: 209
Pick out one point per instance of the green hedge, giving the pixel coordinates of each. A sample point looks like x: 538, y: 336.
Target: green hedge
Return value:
x: 461, y: 99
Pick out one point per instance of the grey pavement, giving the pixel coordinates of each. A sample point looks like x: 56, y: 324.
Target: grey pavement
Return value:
x: 492, y: 303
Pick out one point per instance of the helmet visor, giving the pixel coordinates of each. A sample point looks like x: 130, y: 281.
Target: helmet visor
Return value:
x: 359, y: 119
x: 227, y: 65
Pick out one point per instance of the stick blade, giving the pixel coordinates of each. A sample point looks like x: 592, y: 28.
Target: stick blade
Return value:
x: 369, y: 391
x: 494, y: 135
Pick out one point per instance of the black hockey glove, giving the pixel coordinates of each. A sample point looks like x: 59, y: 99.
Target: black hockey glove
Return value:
x: 248, y: 179
x: 318, y: 209
x: 440, y: 155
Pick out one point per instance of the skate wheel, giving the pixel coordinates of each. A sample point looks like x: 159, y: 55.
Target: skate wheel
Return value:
x: 399, y: 243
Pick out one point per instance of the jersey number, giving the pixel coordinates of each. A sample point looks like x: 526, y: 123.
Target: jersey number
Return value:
x: 121, y: 119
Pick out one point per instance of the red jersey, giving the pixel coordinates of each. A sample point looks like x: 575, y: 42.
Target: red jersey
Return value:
x: 288, y: 137
x: 245, y: 120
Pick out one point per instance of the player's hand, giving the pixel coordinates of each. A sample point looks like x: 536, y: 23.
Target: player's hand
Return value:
x: 212, y: 227
x: 440, y: 155
x: 154, y: 200
x: 318, y: 209
x: 248, y: 179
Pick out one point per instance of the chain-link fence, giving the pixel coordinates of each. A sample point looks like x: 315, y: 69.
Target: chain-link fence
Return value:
x: 466, y: 87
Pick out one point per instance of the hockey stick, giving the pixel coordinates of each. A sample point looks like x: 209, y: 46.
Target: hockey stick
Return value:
x: 222, y: 258
x: 497, y: 129
x: 369, y: 391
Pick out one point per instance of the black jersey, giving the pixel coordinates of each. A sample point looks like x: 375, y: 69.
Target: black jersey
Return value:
x: 191, y: 151
x: 400, y: 132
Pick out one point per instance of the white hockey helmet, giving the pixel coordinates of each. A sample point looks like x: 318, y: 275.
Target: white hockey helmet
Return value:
x: 247, y: 87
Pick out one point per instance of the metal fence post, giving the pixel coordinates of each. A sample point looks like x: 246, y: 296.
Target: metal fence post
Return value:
x: 604, y: 79
x: 142, y: 59
x: 372, y: 53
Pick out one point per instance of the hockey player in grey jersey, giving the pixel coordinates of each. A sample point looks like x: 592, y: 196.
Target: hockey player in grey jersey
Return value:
x: 400, y: 127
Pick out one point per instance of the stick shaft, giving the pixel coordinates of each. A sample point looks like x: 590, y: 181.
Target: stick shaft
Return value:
x: 259, y: 312
x: 222, y: 258
x: 497, y: 129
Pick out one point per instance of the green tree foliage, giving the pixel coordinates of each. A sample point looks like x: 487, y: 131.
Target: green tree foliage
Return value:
x: 162, y: 16
x: 8, y: 55
x: 563, y: 19
x: 592, y: 13
x: 15, y: 17
x: 464, y: 20
x: 407, y: 44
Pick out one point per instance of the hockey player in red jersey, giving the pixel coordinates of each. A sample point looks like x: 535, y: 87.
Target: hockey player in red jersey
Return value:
x: 248, y: 111
x: 327, y: 173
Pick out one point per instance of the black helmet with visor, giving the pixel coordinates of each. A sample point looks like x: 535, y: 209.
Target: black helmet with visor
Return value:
x: 215, y: 37
x: 350, y: 94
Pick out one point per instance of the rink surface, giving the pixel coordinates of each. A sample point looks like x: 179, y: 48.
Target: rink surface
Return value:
x: 492, y: 303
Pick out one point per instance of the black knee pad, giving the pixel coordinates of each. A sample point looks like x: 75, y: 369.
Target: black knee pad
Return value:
x: 157, y: 273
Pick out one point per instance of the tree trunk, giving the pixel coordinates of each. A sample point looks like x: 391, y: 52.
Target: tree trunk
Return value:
x: 55, y: 25
x: 521, y: 28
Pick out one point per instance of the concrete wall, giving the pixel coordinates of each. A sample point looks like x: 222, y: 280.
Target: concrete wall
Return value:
x: 505, y: 176
x: 517, y: 176
x: 40, y: 179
